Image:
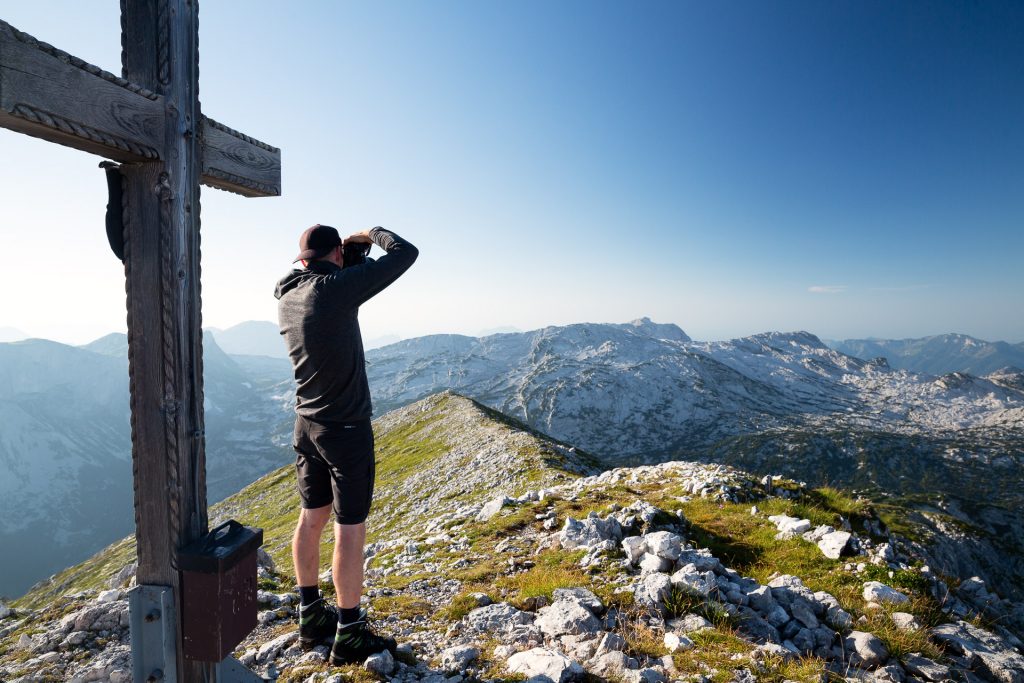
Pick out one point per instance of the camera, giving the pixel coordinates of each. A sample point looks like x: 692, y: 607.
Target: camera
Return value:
x: 355, y: 253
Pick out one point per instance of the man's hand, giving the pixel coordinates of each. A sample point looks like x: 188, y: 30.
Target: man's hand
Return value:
x: 358, y: 238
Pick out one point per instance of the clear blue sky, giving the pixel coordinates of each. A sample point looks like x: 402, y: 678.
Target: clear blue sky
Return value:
x: 849, y: 168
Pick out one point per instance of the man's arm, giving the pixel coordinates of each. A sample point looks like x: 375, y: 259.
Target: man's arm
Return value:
x: 365, y: 281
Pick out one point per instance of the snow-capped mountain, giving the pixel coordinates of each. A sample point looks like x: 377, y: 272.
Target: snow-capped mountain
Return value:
x: 65, y: 448
x: 938, y: 354
x: 772, y: 402
x: 622, y: 389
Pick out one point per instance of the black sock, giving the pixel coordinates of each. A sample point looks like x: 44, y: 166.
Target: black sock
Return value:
x: 308, y: 594
x: 348, y: 615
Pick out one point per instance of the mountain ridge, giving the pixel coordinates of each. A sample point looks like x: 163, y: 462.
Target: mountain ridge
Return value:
x: 642, y: 574
x: 938, y: 354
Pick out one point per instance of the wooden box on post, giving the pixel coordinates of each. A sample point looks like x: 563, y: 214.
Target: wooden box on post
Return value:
x: 218, y: 588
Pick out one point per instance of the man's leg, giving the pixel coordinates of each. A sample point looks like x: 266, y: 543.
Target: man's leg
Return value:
x: 347, y: 566
x: 316, y: 619
x: 306, y: 544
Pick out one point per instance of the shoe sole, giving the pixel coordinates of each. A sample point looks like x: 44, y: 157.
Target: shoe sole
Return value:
x: 309, y: 643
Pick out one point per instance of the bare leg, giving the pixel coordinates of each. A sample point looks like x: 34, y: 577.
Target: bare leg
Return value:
x: 347, y: 567
x: 306, y: 544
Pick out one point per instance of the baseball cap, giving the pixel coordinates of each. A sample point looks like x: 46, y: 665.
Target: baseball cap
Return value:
x: 316, y: 242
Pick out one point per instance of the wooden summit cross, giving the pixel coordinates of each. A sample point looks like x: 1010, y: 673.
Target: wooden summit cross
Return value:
x: 150, y: 121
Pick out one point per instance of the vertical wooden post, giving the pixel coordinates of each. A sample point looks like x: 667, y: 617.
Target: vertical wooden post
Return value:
x: 160, y: 52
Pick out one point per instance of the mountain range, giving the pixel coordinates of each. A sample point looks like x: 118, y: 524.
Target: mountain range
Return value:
x: 639, y: 392
x: 772, y: 402
x: 938, y: 354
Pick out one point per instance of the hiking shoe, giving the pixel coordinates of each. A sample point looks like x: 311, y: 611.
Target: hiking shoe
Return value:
x: 317, y: 621
x: 354, y: 642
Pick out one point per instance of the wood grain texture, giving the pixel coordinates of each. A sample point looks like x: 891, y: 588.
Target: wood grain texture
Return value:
x: 238, y: 163
x: 161, y: 53
x: 145, y: 363
x: 50, y: 95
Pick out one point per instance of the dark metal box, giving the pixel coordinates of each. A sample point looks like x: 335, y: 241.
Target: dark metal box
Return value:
x: 218, y: 588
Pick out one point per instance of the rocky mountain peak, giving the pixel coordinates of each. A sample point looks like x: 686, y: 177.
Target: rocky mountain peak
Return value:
x: 666, y: 331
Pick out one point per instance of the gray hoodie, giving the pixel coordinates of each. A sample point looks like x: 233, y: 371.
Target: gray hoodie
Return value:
x: 318, y: 312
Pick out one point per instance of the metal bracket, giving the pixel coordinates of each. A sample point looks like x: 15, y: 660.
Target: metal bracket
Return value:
x: 232, y: 671
x: 154, y: 634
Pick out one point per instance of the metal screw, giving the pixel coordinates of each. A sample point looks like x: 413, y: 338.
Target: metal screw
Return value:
x: 157, y: 675
x: 152, y: 616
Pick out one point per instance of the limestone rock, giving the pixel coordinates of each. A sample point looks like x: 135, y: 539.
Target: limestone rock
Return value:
x: 664, y: 544
x: 758, y: 629
x: 875, y: 591
x: 688, y: 623
x: 612, y: 664
x: 905, y: 621
x: 492, y: 507
x: 804, y: 613
x: 459, y: 658
x: 761, y: 599
x: 497, y: 617
x: 645, y: 675
x: 653, y: 563
x: 865, y: 649
x: 635, y: 548
x: 817, y: 533
x: 546, y: 665
x: 580, y: 595
x: 610, y: 642
x: 589, y: 532
x: 983, y: 649
x: 689, y: 578
x: 791, y: 525
x: 702, y: 559
x: 652, y: 591
x: 834, y: 544
x: 839, y: 618
x: 271, y: 649
x: 566, y: 617
x: 925, y: 668
x: 677, y: 642
x: 891, y: 673
x: 380, y: 663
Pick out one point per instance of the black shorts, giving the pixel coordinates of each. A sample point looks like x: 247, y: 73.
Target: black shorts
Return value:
x: 334, y: 463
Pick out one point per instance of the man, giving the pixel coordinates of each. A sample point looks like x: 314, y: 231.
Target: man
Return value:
x: 318, y: 309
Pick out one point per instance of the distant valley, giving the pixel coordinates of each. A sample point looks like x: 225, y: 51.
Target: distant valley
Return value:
x: 65, y: 447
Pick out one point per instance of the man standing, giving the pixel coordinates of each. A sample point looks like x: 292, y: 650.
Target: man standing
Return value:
x: 318, y: 309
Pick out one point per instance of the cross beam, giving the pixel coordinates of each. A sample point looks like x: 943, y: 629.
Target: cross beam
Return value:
x: 150, y: 120
x: 49, y: 94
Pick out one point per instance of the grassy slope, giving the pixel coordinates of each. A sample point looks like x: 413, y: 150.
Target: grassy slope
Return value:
x: 435, y: 440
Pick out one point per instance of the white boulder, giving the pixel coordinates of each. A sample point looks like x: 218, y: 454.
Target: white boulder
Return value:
x: 545, y: 664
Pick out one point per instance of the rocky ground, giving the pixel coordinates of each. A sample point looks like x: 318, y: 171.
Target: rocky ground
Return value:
x: 673, y: 572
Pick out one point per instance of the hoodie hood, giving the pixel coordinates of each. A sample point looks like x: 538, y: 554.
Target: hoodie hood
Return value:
x: 290, y: 282
x: 292, y: 279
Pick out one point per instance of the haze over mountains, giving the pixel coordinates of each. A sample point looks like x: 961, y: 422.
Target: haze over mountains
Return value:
x: 627, y: 393
x: 65, y: 450
x: 261, y: 338
x: 938, y: 354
